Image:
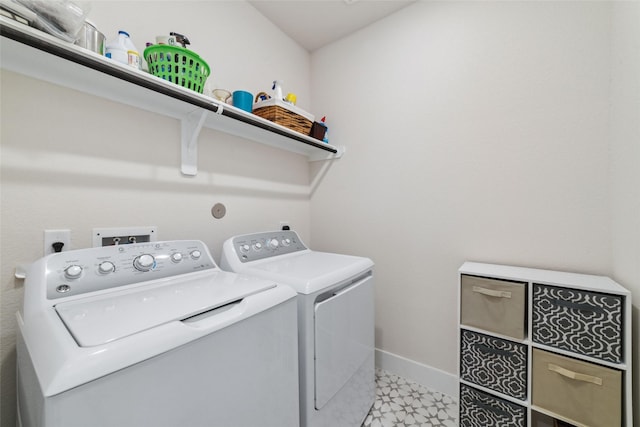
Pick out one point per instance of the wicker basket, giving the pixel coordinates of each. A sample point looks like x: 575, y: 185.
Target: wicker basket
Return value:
x: 284, y: 114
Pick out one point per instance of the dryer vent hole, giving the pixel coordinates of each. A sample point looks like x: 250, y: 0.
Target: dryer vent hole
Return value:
x: 218, y: 210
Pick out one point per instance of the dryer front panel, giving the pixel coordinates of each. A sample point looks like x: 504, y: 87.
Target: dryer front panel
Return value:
x: 344, y: 337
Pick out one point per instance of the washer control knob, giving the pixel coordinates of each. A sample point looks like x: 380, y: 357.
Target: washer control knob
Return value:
x: 196, y: 254
x: 257, y: 246
x: 245, y: 248
x: 73, y: 272
x: 176, y: 257
x: 144, y: 262
x: 106, y: 267
x: 273, y: 243
x: 286, y: 242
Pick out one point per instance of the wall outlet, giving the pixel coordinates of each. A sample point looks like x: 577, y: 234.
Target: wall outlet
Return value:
x: 123, y: 235
x: 52, y: 237
x: 283, y: 225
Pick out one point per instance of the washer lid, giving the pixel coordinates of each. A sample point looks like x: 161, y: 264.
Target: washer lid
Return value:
x: 310, y: 271
x: 98, y: 320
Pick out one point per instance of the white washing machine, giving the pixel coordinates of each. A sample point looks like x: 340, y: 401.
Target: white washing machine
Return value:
x: 154, y: 334
x: 335, y: 318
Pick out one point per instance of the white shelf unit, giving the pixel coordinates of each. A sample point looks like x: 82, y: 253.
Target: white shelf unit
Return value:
x: 38, y: 55
x: 559, y: 280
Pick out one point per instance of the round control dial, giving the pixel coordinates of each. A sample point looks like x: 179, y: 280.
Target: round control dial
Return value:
x: 196, y: 254
x: 106, y: 267
x: 273, y: 243
x: 245, y: 248
x: 144, y: 262
x: 257, y: 246
x: 73, y: 272
x: 286, y: 242
x: 176, y: 257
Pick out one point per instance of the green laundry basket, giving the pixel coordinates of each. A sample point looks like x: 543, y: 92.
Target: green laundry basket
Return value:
x: 177, y: 65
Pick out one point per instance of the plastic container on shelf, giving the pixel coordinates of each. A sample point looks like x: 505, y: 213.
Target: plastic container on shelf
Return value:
x: 325, y: 139
x: 122, y: 49
x: 177, y: 65
x: 133, y: 54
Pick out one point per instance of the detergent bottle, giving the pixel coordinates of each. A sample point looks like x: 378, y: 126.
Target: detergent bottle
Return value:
x: 122, y: 49
x: 326, y: 132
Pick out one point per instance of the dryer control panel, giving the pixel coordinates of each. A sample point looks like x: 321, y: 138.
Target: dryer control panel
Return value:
x: 252, y: 247
x: 95, y: 269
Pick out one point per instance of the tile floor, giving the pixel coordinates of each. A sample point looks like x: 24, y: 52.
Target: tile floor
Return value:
x: 404, y: 403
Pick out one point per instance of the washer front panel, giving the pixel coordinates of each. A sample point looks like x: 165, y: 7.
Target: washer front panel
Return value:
x: 344, y: 338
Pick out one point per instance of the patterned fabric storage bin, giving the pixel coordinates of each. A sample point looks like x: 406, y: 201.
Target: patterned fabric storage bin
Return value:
x: 582, y: 322
x: 494, y: 363
x: 479, y: 409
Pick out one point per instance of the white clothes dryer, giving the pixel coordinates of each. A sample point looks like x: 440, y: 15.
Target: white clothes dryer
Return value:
x: 154, y: 334
x: 335, y: 318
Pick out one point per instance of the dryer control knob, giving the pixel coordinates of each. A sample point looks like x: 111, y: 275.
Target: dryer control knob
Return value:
x: 257, y: 246
x: 286, y: 242
x: 245, y: 248
x: 106, y: 267
x: 144, y: 262
x: 196, y: 254
x: 73, y: 272
x: 273, y: 243
x: 176, y: 257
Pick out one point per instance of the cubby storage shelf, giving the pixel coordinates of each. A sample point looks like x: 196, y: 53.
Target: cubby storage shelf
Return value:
x: 38, y: 55
x: 577, y: 333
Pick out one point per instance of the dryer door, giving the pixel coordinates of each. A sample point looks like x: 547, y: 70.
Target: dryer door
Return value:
x: 344, y: 337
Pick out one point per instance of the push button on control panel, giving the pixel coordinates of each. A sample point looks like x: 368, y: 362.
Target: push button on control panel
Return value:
x: 63, y: 289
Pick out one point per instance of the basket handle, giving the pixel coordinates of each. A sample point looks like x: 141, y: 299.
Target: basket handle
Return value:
x: 574, y: 375
x: 491, y: 292
x: 261, y: 94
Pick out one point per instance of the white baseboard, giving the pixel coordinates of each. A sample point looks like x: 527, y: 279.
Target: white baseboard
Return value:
x: 428, y: 376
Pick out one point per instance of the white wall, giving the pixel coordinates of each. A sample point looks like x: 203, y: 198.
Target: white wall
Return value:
x: 625, y: 162
x: 474, y: 131
x: 69, y: 160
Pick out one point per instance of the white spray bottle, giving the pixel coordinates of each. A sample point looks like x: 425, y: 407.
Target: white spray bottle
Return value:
x: 277, y: 87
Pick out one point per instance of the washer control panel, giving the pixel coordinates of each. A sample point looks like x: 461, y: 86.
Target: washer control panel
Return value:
x: 95, y: 269
x: 252, y: 247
